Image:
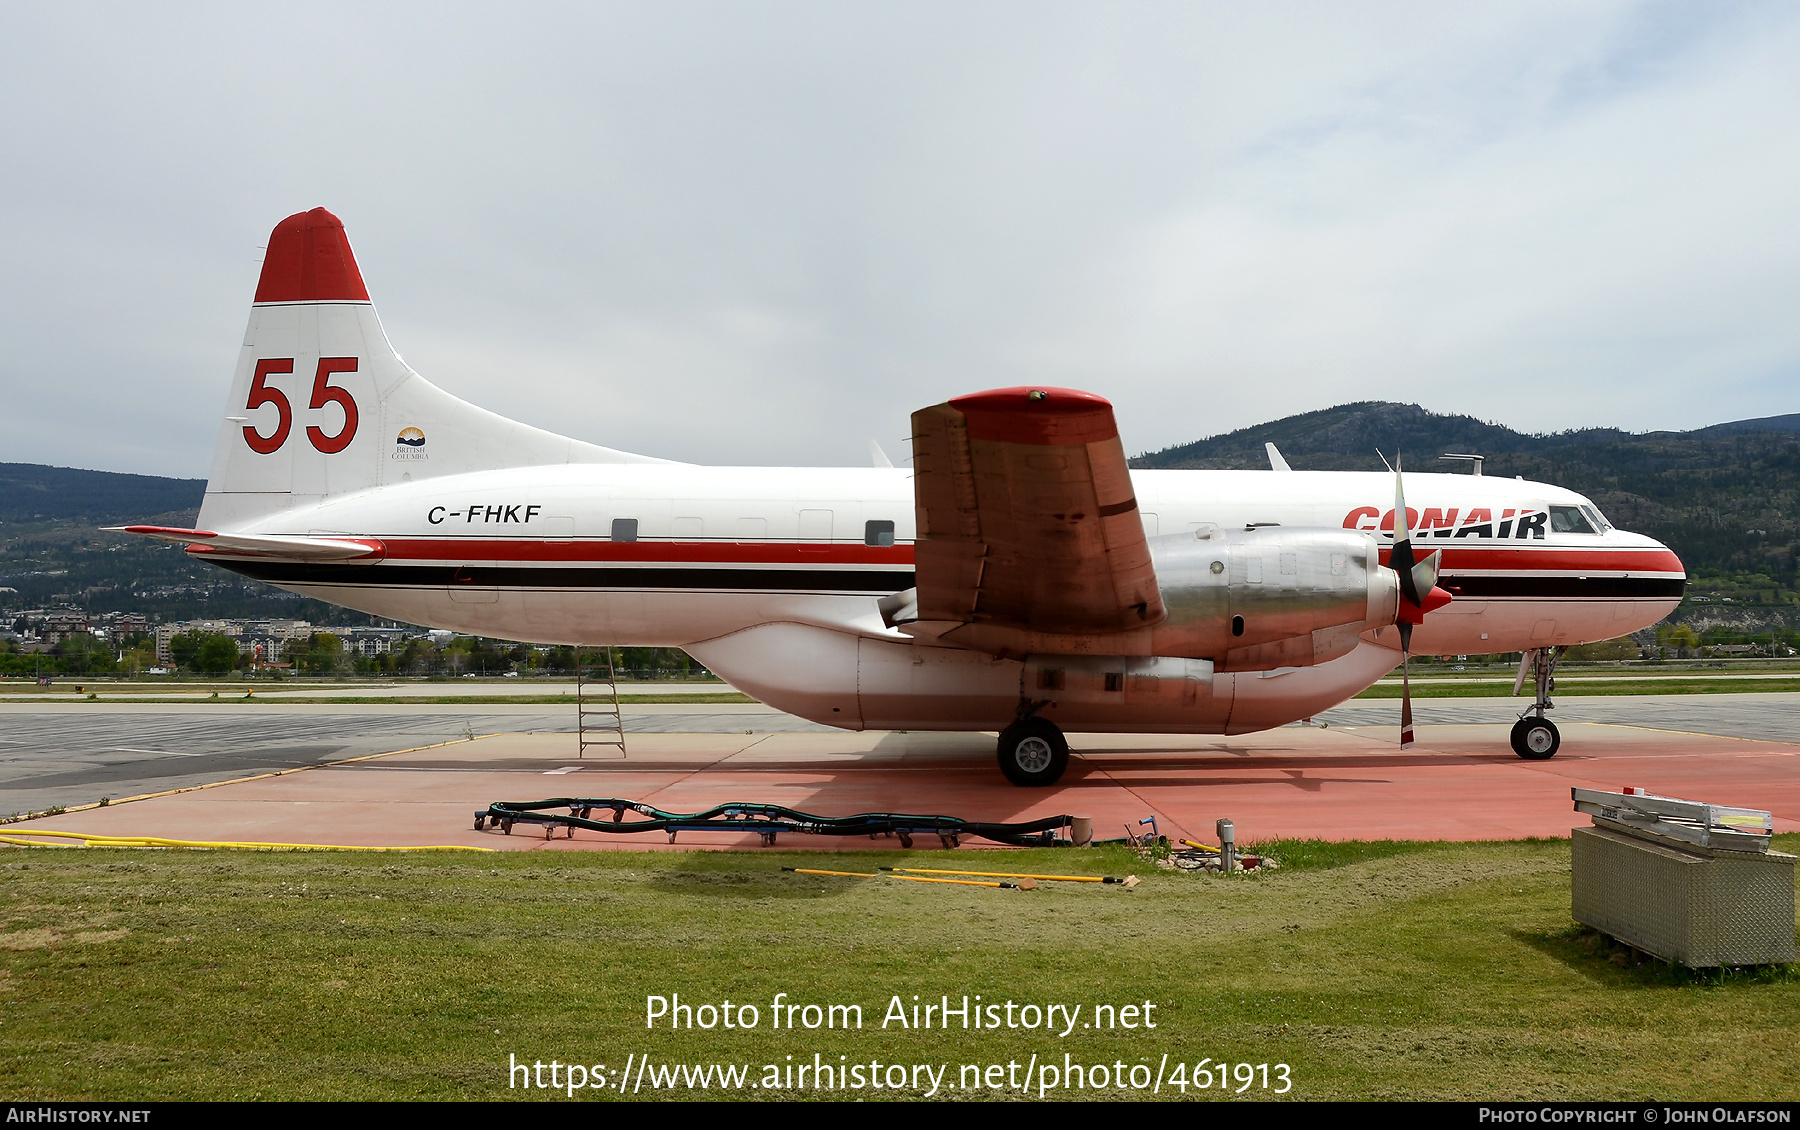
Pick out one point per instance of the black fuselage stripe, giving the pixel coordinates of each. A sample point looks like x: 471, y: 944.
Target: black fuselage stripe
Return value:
x: 1590, y: 588
x: 515, y: 577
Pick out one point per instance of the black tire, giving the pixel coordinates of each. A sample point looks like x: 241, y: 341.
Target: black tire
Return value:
x: 1536, y: 739
x: 1033, y: 753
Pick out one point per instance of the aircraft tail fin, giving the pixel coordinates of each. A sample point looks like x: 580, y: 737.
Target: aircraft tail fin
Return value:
x: 322, y: 405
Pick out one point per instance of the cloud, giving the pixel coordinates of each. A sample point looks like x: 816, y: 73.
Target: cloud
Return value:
x: 763, y: 234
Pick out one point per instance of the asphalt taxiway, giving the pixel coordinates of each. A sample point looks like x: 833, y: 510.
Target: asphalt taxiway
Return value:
x: 399, y: 774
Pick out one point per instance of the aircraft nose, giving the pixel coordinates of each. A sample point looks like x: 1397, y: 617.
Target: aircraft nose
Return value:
x: 1654, y: 575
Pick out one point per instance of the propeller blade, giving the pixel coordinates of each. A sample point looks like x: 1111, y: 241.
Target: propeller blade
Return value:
x: 1406, y: 725
x: 1425, y: 573
x: 1402, y: 559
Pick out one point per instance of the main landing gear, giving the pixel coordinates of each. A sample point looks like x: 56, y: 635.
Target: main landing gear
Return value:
x: 1535, y: 737
x: 1033, y: 752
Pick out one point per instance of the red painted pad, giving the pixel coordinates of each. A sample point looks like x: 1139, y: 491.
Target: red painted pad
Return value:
x: 1058, y: 417
x: 309, y: 260
x: 1459, y: 783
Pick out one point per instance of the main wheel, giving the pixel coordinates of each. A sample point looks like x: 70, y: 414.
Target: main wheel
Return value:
x: 1535, y: 739
x: 1033, y: 753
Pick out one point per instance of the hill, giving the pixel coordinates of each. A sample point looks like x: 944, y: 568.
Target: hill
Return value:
x: 54, y: 554
x: 33, y: 493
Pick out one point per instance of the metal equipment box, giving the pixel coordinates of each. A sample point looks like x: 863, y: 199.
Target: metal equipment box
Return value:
x: 1673, y: 888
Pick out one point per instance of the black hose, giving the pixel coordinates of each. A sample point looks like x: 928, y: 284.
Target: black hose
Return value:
x: 765, y: 819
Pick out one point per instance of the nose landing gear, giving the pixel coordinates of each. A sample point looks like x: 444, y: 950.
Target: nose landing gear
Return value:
x: 1535, y: 737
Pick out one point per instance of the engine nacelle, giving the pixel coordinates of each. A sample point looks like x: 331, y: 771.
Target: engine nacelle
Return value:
x: 1270, y: 596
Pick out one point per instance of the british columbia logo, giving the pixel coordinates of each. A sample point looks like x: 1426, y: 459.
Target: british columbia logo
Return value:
x: 410, y: 444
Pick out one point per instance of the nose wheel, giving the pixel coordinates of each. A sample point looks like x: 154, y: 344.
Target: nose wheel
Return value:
x: 1033, y: 753
x: 1535, y: 737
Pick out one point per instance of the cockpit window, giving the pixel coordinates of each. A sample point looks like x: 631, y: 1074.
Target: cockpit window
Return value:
x: 1570, y: 520
x: 1599, y: 519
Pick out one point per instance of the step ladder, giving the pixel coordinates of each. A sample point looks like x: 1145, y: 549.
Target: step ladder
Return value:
x: 598, y: 722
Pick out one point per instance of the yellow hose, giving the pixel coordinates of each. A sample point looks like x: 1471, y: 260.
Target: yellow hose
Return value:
x: 964, y: 882
x: 96, y: 840
x: 1001, y: 874
x: 909, y: 878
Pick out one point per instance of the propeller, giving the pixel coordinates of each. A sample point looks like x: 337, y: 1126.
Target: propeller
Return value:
x: 1419, y: 594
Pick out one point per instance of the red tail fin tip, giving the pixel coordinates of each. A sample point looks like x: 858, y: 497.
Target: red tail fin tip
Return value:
x: 309, y: 260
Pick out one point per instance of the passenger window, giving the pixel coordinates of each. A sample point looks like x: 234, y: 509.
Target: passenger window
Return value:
x: 1569, y: 520
x: 878, y: 533
x: 624, y: 529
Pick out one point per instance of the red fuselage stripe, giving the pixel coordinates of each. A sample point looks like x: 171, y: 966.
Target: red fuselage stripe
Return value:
x: 1551, y: 560
x: 648, y: 552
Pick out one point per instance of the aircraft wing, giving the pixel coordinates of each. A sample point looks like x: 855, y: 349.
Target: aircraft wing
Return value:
x: 1027, y: 518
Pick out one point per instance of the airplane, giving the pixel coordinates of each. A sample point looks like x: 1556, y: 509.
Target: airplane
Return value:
x: 1019, y: 578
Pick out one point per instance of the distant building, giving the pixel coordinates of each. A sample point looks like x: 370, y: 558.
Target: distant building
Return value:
x: 270, y: 635
x: 167, y: 632
x: 59, y: 626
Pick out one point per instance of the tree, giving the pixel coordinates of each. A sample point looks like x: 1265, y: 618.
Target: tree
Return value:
x: 184, y: 647
x: 323, y: 650
x: 217, y: 655
x: 1683, y: 639
x: 1622, y: 648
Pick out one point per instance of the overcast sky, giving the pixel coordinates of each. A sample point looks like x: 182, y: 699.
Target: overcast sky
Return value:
x: 765, y: 233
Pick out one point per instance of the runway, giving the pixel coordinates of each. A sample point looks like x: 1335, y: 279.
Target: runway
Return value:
x: 1342, y: 777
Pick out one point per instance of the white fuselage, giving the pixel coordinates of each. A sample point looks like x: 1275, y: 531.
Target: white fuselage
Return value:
x: 768, y: 576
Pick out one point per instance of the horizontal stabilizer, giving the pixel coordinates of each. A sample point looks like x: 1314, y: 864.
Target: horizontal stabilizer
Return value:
x: 264, y: 545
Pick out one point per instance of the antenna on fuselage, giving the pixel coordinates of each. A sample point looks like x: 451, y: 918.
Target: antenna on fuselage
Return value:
x: 1474, y: 461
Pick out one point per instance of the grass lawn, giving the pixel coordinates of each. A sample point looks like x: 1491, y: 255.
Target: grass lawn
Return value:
x: 1386, y: 970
